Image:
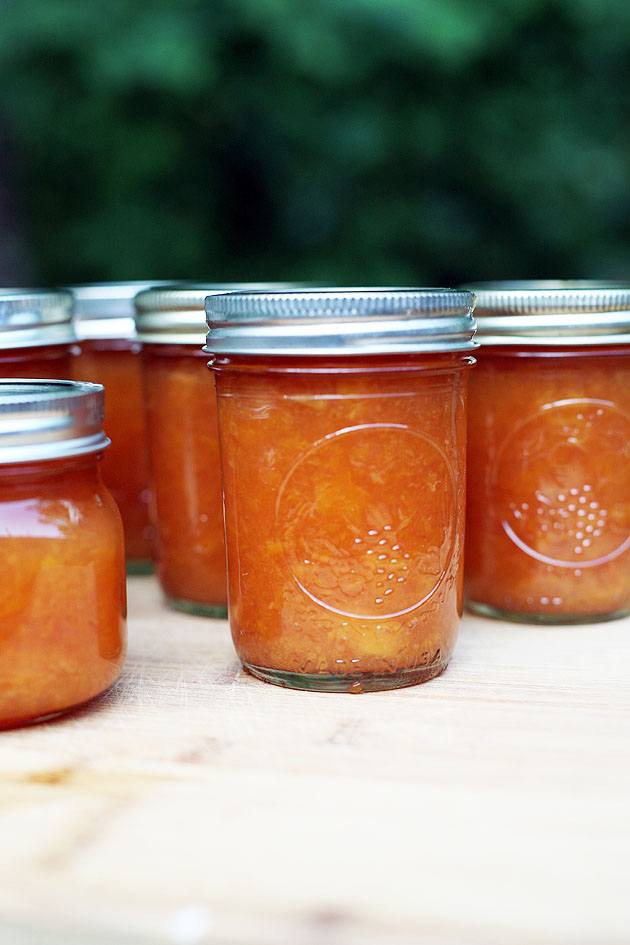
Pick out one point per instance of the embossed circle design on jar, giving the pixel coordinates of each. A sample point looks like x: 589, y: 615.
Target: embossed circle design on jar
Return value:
x: 361, y: 558
x: 563, y: 475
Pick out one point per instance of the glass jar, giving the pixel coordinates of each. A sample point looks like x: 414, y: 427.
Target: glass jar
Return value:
x: 62, y: 593
x: 37, y: 337
x: 110, y: 355
x: 183, y: 448
x: 342, y: 418
x: 548, y: 533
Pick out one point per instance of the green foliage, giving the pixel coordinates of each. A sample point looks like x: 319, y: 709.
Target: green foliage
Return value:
x: 356, y: 141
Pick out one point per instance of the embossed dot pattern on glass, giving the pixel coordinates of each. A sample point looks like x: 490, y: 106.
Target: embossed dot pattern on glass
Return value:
x: 344, y: 499
x: 375, y: 567
x: 548, y: 535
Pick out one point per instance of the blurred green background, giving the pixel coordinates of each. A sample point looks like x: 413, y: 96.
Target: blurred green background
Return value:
x: 351, y: 141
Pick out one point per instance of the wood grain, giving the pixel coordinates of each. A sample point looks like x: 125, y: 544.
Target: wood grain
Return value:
x: 196, y: 805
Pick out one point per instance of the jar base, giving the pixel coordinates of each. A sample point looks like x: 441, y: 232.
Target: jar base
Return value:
x: 497, y: 613
x: 29, y: 720
x: 197, y: 608
x: 138, y: 566
x: 351, y: 683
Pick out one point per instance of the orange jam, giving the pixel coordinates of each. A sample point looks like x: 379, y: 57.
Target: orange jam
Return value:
x: 116, y: 364
x: 185, y: 477
x: 62, y: 582
x: 110, y: 355
x: 344, y: 498
x: 342, y: 418
x: 548, y: 531
x: 183, y: 447
x: 52, y: 361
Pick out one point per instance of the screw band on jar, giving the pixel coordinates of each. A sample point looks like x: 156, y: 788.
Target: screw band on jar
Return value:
x: 45, y: 420
x: 552, y: 313
x: 105, y: 310
x: 340, y: 322
x: 35, y: 317
x: 174, y: 314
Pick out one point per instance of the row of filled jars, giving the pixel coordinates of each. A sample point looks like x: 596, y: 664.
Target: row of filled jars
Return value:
x: 330, y: 438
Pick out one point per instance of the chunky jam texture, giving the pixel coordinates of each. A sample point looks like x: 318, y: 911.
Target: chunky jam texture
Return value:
x: 117, y: 365
x: 548, y: 532
x: 62, y: 588
x: 344, y: 498
x: 185, y: 474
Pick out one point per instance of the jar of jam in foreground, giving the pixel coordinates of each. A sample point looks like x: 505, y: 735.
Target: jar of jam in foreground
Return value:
x: 342, y: 418
x: 62, y: 576
x: 37, y: 337
x: 183, y: 448
x: 548, y: 535
x: 110, y: 355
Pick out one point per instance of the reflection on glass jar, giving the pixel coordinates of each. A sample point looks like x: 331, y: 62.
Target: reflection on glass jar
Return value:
x: 343, y: 476
x: 548, y: 535
x: 110, y: 355
x: 62, y: 592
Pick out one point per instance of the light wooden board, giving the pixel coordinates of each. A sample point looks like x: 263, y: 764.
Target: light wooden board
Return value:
x: 197, y: 805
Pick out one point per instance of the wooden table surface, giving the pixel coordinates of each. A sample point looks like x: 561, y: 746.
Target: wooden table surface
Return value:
x: 194, y: 804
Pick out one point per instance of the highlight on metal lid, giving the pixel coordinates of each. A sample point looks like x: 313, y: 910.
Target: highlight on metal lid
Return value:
x: 343, y: 321
x: 553, y: 312
x: 34, y: 317
x: 50, y: 419
x: 105, y: 310
x: 174, y: 314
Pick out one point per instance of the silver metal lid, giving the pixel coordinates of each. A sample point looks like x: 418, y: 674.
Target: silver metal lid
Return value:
x: 42, y: 420
x: 174, y: 314
x: 553, y: 313
x: 35, y: 317
x: 105, y: 310
x: 341, y: 322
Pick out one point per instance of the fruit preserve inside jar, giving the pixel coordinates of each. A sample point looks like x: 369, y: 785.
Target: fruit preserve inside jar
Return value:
x: 549, y: 492
x: 110, y: 355
x: 185, y: 478
x: 344, y: 493
x: 49, y: 361
x: 343, y: 479
x: 116, y: 364
x: 183, y: 445
x: 62, y: 593
x: 548, y: 531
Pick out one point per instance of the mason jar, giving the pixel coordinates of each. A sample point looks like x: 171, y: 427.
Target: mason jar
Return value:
x: 37, y: 336
x: 110, y: 355
x: 548, y: 532
x: 342, y: 419
x: 62, y: 594
x: 183, y: 448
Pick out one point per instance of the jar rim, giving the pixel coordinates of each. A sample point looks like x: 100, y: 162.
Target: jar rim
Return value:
x: 553, y: 312
x: 50, y: 419
x: 341, y: 321
x: 35, y: 317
